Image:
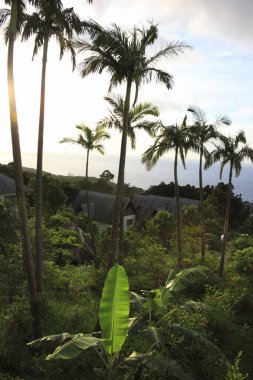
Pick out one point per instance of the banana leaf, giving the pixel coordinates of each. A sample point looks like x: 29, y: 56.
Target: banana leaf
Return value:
x: 74, y: 347
x: 186, y: 278
x: 114, y: 309
x: 57, y: 339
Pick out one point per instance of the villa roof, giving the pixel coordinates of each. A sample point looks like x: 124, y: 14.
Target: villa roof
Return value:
x: 150, y: 204
x: 8, y: 185
x: 102, y: 205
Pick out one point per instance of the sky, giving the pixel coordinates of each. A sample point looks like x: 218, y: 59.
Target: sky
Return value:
x: 215, y: 75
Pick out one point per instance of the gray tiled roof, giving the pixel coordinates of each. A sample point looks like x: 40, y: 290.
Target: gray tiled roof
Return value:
x: 102, y: 205
x: 150, y: 204
x: 7, y: 185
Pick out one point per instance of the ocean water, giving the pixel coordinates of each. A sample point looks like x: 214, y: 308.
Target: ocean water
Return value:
x: 136, y: 174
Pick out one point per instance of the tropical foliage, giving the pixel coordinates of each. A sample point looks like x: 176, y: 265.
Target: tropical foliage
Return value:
x: 132, y: 320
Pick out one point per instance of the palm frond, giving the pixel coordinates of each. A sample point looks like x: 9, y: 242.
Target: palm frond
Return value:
x: 172, y: 48
x: 68, y: 140
x: 151, y: 156
x: 240, y: 138
x: 198, y: 114
x: 5, y: 14
x: 182, y: 156
x: 223, y: 120
x: 159, y: 76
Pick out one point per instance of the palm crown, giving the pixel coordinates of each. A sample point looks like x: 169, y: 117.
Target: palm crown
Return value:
x: 5, y: 15
x: 229, y: 151
x: 123, y: 54
x: 89, y: 139
x: 201, y: 132
x: 52, y: 20
x: 137, y: 118
x: 171, y: 137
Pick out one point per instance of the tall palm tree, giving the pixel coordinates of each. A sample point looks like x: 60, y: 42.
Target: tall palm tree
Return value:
x: 124, y: 56
x: 232, y: 151
x: 50, y: 21
x: 173, y: 137
x: 138, y: 114
x: 89, y: 140
x: 16, y: 15
x: 202, y: 132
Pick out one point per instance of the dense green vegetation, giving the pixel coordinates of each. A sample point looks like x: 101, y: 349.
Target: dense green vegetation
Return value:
x: 180, y: 304
x: 204, y: 317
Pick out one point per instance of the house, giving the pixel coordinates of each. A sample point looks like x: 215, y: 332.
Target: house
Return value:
x: 138, y: 206
x: 8, y: 187
x: 102, y: 207
x: 150, y: 204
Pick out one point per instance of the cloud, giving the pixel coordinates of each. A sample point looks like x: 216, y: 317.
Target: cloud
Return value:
x: 230, y: 20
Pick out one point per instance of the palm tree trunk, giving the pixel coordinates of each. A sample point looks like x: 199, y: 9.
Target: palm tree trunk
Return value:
x: 121, y: 236
x: 178, y: 215
x: 120, y: 184
x: 25, y: 236
x: 88, y: 204
x: 39, y: 273
x: 225, y: 231
x: 203, y: 239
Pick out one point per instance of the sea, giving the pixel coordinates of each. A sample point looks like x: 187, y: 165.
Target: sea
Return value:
x: 136, y: 173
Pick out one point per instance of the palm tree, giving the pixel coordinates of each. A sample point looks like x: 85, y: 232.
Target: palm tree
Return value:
x: 230, y: 152
x: 89, y: 140
x: 202, y: 133
x: 137, y: 120
x: 50, y: 21
x: 173, y: 137
x: 123, y: 55
x: 17, y: 15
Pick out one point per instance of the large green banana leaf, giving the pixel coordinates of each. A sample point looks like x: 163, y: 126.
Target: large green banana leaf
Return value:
x: 114, y: 309
x: 74, y: 347
x: 56, y: 339
x: 186, y: 278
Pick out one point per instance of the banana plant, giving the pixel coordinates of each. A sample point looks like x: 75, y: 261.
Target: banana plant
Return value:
x: 153, y: 302
x: 114, y: 322
x: 156, y: 329
x: 116, y: 326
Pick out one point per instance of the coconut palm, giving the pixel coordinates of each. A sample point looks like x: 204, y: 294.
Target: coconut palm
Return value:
x: 138, y: 114
x: 232, y: 151
x: 89, y: 140
x: 202, y: 132
x: 124, y: 56
x: 173, y: 137
x: 16, y: 16
x: 51, y: 20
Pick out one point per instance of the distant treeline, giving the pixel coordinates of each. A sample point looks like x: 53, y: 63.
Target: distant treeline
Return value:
x: 187, y: 191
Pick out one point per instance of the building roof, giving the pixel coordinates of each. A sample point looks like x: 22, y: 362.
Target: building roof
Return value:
x: 102, y: 205
x: 150, y: 204
x: 8, y: 185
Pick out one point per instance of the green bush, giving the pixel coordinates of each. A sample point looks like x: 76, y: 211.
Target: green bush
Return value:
x: 242, y: 261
